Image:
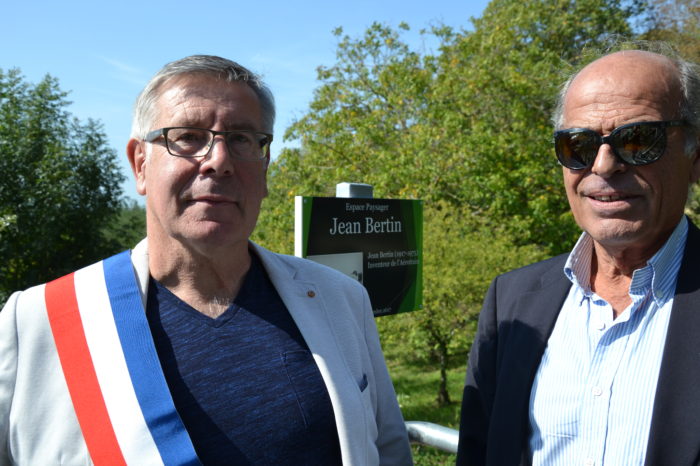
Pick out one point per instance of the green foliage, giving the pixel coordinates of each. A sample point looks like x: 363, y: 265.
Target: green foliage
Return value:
x: 127, y: 228
x: 461, y: 258
x: 415, y: 380
x: 469, y: 125
x: 275, y: 227
x: 465, y: 129
x: 494, y: 97
x: 364, y: 123
x: 678, y: 22
x: 60, y: 184
x: 692, y: 209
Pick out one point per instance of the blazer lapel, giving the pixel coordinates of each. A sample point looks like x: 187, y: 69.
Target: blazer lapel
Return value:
x: 306, y: 306
x: 523, y: 346
x: 674, y: 437
x: 305, y: 303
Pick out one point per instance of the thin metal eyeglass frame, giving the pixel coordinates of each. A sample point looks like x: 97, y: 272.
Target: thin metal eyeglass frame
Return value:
x: 608, y: 140
x: 151, y: 136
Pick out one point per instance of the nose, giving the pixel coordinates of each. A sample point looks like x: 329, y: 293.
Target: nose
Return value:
x: 607, y: 163
x: 219, y: 161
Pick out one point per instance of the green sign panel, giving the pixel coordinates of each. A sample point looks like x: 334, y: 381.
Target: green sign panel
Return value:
x: 378, y: 242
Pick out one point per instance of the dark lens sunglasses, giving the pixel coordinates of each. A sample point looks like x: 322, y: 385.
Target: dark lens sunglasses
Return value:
x: 635, y: 143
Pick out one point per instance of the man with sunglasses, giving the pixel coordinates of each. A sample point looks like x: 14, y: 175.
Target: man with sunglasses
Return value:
x: 199, y: 346
x: 593, y: 357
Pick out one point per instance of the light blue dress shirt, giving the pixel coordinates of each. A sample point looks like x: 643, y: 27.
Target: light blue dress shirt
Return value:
x: 592, y: 397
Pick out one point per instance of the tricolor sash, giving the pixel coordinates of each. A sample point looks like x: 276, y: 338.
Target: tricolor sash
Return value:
x: 111, y: 367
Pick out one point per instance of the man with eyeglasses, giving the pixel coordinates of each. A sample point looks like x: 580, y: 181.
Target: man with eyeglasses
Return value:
x: 593, y: 357
x: 198, y: 346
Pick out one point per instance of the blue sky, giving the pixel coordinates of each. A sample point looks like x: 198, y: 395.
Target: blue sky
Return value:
x: 103, y: 53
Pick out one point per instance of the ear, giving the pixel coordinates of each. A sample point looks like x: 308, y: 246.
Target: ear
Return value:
x: 695, y: 163
x: 137, y: 159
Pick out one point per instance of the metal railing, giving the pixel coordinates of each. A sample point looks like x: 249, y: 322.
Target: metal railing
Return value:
x: 434, y: 435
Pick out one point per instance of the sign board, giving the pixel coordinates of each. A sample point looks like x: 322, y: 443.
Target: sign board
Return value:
x: 378, y: 242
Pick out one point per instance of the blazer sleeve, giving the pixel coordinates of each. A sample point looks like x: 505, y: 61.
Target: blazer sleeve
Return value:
x: 519, y: 312
x: 8, y: 371
x: 479, y: 387
x: 392, y: 440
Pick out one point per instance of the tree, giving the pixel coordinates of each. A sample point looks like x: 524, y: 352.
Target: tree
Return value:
x: 457, y: 269
x: 466, y: 129
x: 60, y: 184
x: 126, y: 229
x: 678, y: 22
x: 675, y: 21
x: 362, y: 126
x: 500, y: 82
x: 420, y: 125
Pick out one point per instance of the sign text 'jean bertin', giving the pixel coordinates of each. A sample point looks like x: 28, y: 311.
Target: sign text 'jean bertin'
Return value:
x: 379, y: 242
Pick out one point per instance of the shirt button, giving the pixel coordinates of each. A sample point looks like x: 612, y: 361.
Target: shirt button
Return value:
x: 589, y: 462
x: 597, y: 391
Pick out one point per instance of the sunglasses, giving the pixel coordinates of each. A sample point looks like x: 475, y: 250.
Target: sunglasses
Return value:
x: 634, y: 143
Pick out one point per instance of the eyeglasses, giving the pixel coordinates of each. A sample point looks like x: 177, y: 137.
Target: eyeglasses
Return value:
x: 638, y: 143
x: 184, y: 141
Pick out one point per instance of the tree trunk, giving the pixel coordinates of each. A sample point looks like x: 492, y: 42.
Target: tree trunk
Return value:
x: 443, y: 397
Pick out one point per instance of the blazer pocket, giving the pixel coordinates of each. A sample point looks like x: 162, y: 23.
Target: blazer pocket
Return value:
x: 363, y: 383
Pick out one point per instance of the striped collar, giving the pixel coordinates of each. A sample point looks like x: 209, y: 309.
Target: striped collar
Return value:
x: 660, y: 272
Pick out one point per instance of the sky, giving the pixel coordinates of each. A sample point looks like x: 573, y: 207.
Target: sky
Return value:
x: 103, y: 53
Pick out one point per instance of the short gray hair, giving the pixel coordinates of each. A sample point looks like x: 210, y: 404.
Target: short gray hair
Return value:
x: 688, y: 75
x: 209, y: 65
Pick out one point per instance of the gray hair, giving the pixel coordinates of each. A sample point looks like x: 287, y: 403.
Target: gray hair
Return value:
x: 209, y: 65
x: 688, y: 75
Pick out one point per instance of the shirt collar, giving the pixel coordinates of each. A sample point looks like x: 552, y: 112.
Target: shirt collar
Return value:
x: 578, y: 265
x: 661, y: 270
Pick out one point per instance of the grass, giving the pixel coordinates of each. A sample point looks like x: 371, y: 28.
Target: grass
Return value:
x: 416, y: 384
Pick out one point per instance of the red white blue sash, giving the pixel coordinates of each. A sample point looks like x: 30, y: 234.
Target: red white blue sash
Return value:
x: 113, y: 373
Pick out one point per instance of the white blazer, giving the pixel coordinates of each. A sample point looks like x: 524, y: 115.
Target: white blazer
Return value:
x: 38, y: 425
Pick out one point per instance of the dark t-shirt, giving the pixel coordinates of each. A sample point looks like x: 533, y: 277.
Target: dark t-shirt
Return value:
x: 245, y: 384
